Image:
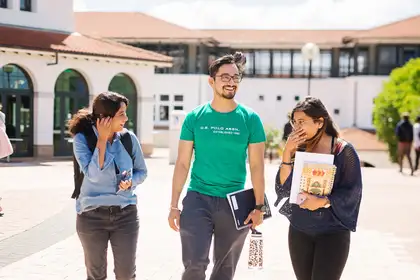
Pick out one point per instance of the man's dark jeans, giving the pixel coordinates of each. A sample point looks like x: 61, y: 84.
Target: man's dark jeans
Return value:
x: 109, y: 224
x: 417, y: 158
x: 202, y: 216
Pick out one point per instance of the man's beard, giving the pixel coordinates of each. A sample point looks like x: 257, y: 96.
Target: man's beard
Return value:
x: 228, y: 94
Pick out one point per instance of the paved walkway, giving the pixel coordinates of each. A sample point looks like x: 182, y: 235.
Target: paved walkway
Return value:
x: 38, y: 240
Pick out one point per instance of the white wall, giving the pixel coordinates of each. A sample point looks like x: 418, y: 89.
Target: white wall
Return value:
x: 193, y: 88
x: 336, y: 93
x: 98, y: 76
x: 46, y: 14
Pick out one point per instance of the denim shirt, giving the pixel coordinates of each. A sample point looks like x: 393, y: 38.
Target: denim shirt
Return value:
x: 100, y: 187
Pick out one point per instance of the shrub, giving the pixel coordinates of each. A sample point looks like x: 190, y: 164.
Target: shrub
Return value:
x: 401, y: 93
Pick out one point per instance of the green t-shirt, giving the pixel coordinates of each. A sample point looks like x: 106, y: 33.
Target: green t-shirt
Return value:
x: 220, y: 145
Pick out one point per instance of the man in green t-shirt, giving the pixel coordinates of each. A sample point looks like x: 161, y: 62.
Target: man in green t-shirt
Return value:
x: 220, y: 133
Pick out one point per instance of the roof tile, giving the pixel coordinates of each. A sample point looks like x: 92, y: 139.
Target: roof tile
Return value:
x: 76, y: 43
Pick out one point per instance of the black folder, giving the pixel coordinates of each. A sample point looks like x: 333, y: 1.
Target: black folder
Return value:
x: 242, y: 203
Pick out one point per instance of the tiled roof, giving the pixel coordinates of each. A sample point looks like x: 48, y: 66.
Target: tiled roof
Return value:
x: 126, y: 25
x: 362, y: 140
x: 406, y: 28
x: 227, y: 37
x: 75, y: 43
x: 134, y: 26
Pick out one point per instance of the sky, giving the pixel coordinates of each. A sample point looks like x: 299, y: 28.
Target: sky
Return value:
x: 265, y: 14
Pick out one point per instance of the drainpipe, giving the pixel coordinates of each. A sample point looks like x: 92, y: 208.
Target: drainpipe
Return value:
x: 355, y: 91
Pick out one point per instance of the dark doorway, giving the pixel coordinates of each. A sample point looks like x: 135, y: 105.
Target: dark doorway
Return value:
x: 71, y: 94
x: 124, y: 85
x: 16, y: 102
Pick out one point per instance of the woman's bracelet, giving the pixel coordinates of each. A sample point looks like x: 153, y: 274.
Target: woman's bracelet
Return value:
x: 286, y: 163
x: 174, y: 208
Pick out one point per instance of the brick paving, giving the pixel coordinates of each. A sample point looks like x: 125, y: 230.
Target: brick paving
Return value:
x: 38, y: 241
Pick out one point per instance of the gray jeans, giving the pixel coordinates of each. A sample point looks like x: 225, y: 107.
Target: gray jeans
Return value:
x: 201, y: 217
x: 109, y: 224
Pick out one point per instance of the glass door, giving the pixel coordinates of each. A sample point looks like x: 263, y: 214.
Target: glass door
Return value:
x: 19, y: 124
x: 65, y: 105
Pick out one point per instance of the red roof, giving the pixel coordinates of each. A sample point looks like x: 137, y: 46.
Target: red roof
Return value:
x: 126, y: 25
x: 406, y: 28
x: 22, y: 38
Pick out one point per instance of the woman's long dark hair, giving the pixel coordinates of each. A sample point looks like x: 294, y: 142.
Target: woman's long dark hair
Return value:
x: 314, y: 108
x: 104, y: 105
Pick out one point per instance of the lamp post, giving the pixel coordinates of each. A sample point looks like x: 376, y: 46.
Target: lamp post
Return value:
x: 310, y: 51
x: 8, y: 69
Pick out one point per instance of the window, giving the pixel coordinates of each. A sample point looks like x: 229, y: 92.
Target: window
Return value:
x: 321, y: 66
x: 12, y: 77
x: 387, y: 59
x: 261, y: 97
x: 390, y: 57
x: 26, y: 5
x: 278, y: 97
x: 300, y: 65
x: 282, y: 64
x: 346, y: 62
x: 262, y: 63
x: 408, y: 53
x: 336, y: 111
x: 164, y: 113
x: 249, y: 65
x: 3, y: 4
x: 179, y: 98
x: 164, y: 105
x: 297, y: 98
x: 164, y: 97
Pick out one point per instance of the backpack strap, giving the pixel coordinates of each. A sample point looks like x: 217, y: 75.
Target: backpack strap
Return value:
x: 127, y: 143
x: 91, y: 140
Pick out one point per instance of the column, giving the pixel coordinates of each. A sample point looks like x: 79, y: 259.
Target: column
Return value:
x: 372, y: 60
x: 175, y: 124
x: 192, y: 58
x: 335, y: 67
x: 204, y: 58
x: 44, y: 120
x: 145, y: 123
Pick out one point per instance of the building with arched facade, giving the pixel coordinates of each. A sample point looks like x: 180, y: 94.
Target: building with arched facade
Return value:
x: 347, y: 74
x: 48, y: 72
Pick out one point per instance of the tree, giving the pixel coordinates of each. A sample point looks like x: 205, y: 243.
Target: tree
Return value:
x: 401, y: 93
x: 273, y: 137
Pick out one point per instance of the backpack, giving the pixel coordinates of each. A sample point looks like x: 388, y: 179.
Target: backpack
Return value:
x: 91, y: 142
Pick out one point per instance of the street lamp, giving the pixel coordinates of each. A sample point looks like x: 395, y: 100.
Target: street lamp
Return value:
x: 8, y: 69
x: 310, y: 51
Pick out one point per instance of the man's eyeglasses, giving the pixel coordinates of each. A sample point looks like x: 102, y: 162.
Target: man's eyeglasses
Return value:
x: 226, y: 78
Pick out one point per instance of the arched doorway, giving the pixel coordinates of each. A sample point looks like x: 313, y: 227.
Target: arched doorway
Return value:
x: 71, y: 94
x: 124, y: 85
x: 16, y: 102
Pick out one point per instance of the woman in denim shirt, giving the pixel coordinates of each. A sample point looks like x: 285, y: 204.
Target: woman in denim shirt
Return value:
x: 319, y: 232
x: 106, y: 207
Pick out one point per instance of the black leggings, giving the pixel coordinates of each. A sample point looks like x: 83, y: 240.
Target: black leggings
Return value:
x: 320, y: 257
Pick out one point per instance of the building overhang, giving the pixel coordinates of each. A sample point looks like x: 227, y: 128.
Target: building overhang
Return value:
x: 55, y: 56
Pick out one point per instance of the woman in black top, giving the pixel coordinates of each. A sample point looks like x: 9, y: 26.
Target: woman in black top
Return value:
x: 319, y: 233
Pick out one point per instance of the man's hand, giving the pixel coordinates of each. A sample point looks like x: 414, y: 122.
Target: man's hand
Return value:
x: 312, y: 202
x: 173, y: 219
x: 256, y: 216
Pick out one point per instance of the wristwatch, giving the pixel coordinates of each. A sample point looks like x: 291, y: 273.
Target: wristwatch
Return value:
x: 261, y: 207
